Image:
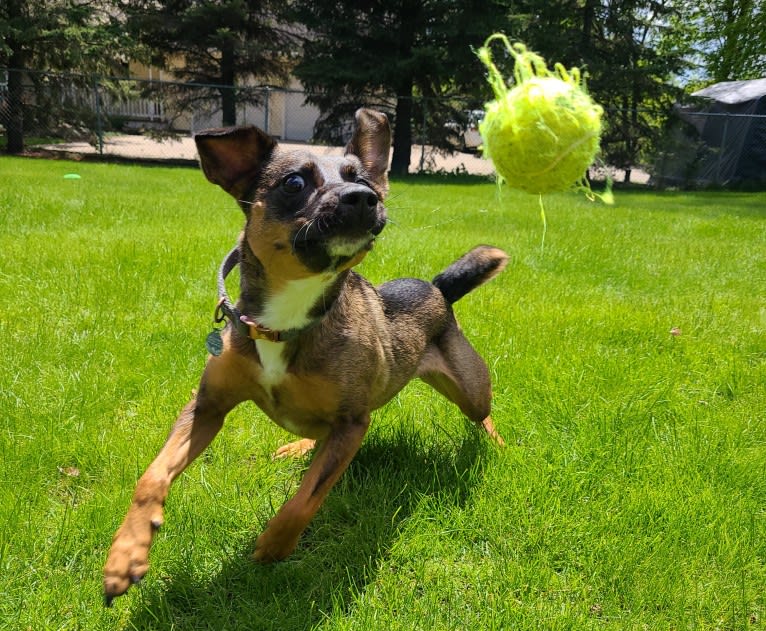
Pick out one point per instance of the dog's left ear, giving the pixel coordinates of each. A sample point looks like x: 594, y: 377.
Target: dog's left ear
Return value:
x: 371, y: 143
x: 232, y: 157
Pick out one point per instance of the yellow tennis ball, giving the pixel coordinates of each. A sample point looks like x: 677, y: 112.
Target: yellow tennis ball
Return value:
x: 544, y: 132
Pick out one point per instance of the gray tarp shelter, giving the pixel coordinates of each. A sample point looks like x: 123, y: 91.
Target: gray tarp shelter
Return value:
x: 732, y: 129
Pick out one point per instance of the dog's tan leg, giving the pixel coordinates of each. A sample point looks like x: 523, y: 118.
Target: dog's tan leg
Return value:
x: 456, y: 370
x: 332, y: 458
x: 128, y: 558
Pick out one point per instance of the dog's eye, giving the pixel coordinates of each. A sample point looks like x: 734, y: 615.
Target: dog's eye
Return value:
x: 293, y: 183
x: 363, y: 182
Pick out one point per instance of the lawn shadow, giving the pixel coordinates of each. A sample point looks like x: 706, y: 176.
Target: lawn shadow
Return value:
x: 338, y: 555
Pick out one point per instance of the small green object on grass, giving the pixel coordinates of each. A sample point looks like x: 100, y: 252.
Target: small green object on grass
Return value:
x: 72, y: 176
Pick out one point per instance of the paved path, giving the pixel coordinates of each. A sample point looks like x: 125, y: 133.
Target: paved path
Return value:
x: 145, y: 148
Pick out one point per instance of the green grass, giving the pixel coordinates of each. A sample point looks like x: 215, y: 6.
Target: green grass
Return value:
x: 631, y: 495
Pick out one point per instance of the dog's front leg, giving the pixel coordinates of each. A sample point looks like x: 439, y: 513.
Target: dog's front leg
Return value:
x: 128, y: 559
x: 332, y: 457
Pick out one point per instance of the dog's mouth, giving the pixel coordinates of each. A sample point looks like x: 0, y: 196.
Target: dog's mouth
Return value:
x: 342, y: 229
x: 333, y: 252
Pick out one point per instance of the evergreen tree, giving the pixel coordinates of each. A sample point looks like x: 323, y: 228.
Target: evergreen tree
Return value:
x: 52, y: 35
x: 219, y: 43
x: 398, y: 56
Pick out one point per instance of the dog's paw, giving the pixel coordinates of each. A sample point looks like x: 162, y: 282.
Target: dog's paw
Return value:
x: 274, y: 546
x: 295, y: 449
x: 128, y: 559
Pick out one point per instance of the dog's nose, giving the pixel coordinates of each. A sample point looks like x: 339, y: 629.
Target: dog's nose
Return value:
x: 358, y: 209
x: 359, y: 198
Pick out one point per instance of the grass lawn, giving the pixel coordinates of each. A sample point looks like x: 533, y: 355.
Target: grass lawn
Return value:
x: 631, y: 495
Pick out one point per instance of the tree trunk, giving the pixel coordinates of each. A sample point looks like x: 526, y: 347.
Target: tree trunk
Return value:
x: 15, y: 125
x: 400, y: 162
x: 587, y: 30
x: 228, y: 96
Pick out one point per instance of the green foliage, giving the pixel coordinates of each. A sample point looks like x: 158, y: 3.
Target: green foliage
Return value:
x: 61, y: 35
x: 64, y: 35
x: 726, y: 38
x: 397, y: 56
x: 628, y: 367
x: 630, y: 66
x: 427, y: 50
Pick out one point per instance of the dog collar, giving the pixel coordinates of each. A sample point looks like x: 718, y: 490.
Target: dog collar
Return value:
x: 225, y: 310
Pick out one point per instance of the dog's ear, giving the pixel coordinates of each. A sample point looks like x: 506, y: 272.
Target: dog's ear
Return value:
x: 371, y: 143
x: 232, y: 157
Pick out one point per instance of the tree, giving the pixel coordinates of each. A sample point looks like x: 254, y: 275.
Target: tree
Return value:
x: 214, y: 43
x: 640, y: 92
x: 629, y: 63
x: 394, y: 55
x: 53, y: 35
x: 726, y: 38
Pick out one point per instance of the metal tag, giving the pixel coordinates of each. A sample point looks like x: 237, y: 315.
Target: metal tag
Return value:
x: 214, y: 343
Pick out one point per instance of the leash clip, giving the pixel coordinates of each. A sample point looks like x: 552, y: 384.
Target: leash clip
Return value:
x: 219, y: 315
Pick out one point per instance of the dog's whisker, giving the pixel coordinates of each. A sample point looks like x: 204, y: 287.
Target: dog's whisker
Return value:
x: 305, y: 229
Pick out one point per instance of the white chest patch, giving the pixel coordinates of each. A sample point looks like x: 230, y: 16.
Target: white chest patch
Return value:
x: 273, y: 363
x: 287, y: 309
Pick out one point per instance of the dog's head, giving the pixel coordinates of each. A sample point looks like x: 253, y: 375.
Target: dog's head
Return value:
x: 306, y: 213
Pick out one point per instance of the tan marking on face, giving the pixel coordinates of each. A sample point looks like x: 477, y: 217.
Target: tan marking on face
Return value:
x: 271, y: 242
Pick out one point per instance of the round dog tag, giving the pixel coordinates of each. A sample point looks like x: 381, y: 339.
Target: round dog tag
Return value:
x: 214, y: 343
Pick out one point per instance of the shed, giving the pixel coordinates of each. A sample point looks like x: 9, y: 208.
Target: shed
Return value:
x: 731, y: 128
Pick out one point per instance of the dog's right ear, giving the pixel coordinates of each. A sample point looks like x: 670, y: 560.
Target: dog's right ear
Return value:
x: 232, y: 157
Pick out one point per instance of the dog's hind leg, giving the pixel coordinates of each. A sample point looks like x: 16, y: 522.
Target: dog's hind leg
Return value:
x: 452, y: 367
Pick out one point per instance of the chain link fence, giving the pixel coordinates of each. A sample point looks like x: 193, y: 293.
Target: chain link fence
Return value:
x: 72, y: 115
x: 70, y: 112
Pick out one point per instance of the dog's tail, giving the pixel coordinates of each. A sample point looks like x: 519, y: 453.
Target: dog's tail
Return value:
x: 477, y: 267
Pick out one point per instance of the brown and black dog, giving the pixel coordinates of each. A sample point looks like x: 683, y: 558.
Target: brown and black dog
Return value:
x: 311, y: 342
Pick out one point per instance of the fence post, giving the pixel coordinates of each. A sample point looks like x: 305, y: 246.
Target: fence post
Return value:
x: 266, y: 111
x: 723, y: 148
x: 421, y: 168
x: 99, y: 127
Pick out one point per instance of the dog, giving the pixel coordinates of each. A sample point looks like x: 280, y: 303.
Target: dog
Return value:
x: 310, y: 341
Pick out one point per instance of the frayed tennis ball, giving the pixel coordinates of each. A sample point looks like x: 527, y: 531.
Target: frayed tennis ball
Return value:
x: 543, y: 133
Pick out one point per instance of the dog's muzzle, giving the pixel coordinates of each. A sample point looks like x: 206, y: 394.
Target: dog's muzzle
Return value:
x: 345, y: 223
x: 358, y: 211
